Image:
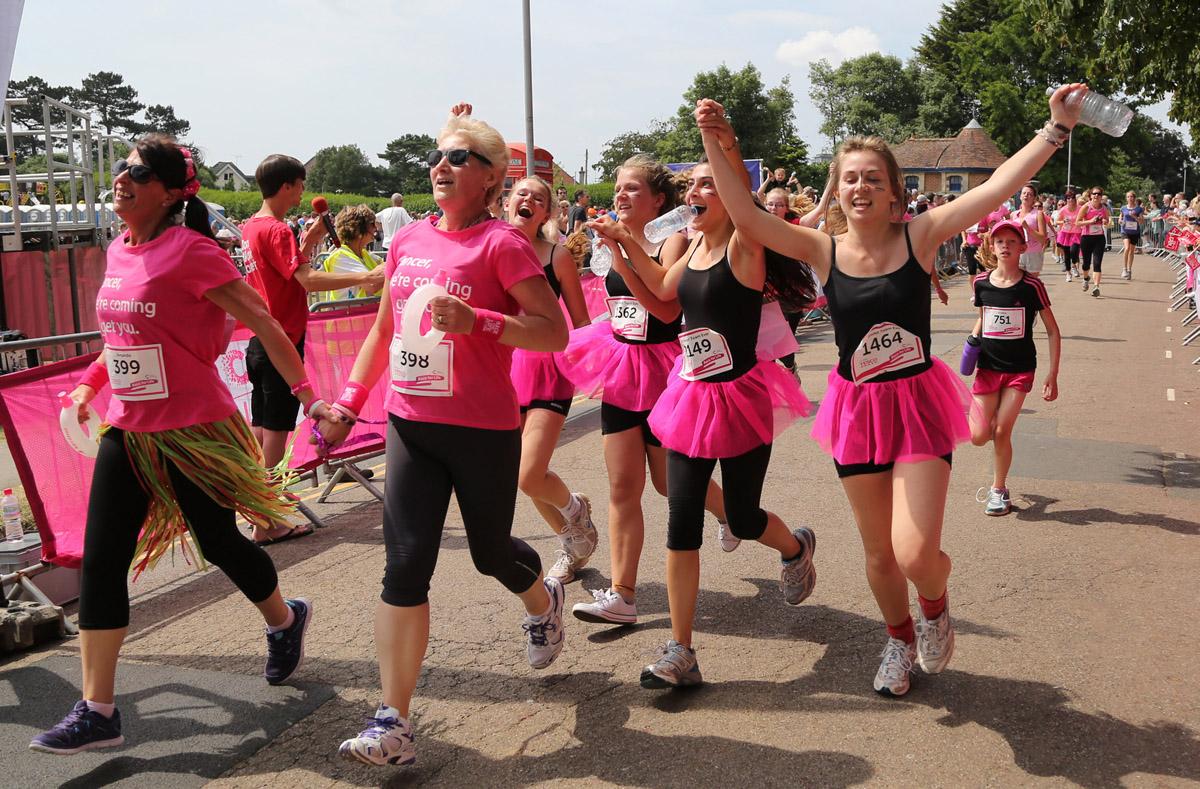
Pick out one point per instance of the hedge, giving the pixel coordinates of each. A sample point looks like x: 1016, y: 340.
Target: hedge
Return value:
x: 239, y: 205
x: 601, y: 193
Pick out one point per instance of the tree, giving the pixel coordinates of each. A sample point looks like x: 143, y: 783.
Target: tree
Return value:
x: 161, y: 118
x: 107, y: 94
x: 621, y: 147
x: 29, y: 116
x: 407, y: 170
x: 871, y: 94
x: 342, y: 168
x: 1123, y: 177
x: 1148, y: 50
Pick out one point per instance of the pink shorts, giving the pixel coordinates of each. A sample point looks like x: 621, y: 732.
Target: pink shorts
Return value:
x: 988, y: 381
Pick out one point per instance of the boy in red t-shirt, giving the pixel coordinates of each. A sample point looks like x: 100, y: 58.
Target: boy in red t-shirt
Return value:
x: 280, y: 271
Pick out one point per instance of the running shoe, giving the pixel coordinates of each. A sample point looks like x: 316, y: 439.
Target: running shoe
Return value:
x: 1096, y: 291
x: 1076, y: 272
x: 1087, y: 283
x: 676, y: 667
x: 563, y: 569
x: 388, y: 739
x: 1068, y: 278
x: 935, y: 641
x: 285, y: 648
x: 544, y: 633
x: 892, y: 677
x: 1125, y: 274
x: 608, y: 607
x: 579, y: 537
x: 83, y: 729
x: 998, y: 501
x: 729, y: 543
x: 798, y: 577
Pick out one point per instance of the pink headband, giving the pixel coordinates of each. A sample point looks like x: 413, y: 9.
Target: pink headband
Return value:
x: 192, y: 185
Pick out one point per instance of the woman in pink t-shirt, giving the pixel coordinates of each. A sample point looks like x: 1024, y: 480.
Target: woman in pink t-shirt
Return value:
x: 176, y: 455
x: 1091, y: 219
x: 454, y: 424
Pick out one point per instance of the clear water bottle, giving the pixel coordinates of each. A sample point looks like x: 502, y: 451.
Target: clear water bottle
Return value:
x: 602, y: 257
x: 11, y: 509
x: 1099, y: 111
x: 670, y: 223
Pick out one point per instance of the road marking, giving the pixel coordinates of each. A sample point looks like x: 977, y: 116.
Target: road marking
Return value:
x: 1168, y: 354
x: 1168, y: 330
x: 1170, y: 395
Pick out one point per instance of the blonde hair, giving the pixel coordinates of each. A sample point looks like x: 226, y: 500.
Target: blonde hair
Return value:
x: 485, y: 141
x: 875, y: 145
x: 353, y: 221
x: 985, y: 255
x: 657, y: 176
x: 835, y: 220
x: 548, y: 230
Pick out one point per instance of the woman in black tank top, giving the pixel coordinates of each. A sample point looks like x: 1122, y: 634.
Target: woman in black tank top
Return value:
x: 892, y: 413
x: 545, y: 394
x: 722, y: 404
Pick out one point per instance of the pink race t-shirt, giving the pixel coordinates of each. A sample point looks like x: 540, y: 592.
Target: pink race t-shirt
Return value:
x: 161, y: 335
x: 465, y: 380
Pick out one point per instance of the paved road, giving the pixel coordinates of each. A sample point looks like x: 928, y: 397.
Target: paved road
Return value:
x: 1076, y: 615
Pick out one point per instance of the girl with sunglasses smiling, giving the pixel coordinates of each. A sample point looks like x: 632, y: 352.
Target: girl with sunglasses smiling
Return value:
x: 454, y: 425
x: 175, y: 456
x: 1090, y: 221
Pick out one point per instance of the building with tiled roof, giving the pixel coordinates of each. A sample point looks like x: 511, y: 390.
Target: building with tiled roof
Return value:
x: 948, y: 164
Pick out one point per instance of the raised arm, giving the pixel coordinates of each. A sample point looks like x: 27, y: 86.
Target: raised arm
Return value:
x: 933, y: 227
x: 650, y: 283
x: 813, y: 218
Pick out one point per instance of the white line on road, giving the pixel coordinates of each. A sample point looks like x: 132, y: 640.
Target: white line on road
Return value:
x: 1168, y: 330
x: 1168, y: 354
x: 1170, y: 395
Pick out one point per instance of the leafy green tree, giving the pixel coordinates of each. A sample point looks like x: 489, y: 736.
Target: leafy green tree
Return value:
x: 342, y: 168
x: 407, y: 170
x: 161, y: 118
x: 1123, y: 177
x: 106, y: 94
x: 871, y: 94
x: 621, y: 147
x: 29, y: 116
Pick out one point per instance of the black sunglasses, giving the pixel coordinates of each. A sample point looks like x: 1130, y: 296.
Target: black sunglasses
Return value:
x: 457, y: 156
x: 138, y: 173
x: 1097, y: 194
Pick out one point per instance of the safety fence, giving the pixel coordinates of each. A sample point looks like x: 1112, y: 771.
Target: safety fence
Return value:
x: 1179, y: 250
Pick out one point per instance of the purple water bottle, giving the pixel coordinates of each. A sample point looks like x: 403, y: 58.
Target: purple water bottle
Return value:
x: 970, y: 355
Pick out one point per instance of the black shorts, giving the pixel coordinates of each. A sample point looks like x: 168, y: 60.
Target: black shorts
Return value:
x: 272, y: 404
x: 560, y: 407
x: 617, y: 420
x: 1136, y: 238
x: 854, y: 469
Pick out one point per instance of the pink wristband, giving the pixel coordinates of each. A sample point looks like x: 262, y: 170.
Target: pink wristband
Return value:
x: 301, y: 386
x: 95, y: 376
x: 354, y: 397
x: 488, y: 323
x: 308, y: 412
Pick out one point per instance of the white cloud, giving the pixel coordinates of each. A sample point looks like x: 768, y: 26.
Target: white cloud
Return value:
x: 834, y: 47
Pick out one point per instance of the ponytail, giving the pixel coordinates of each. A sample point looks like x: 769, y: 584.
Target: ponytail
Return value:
x: 195, y: 217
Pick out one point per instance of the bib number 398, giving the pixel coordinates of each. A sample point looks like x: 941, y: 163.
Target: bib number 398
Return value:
x: 424, y: 375
x: 705, y: 354
x: 885, y: 348
x: 135, y: 372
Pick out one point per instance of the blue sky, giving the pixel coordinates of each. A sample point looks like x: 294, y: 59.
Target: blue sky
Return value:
x: 292, y: 76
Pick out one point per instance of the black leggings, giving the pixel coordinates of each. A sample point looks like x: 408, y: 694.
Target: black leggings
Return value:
x: 971, y: 258
x: 741, y: 482
x: 1091, y: 249
x: 1070, y: 256
x: 116, y: 510
x: 425, y: 462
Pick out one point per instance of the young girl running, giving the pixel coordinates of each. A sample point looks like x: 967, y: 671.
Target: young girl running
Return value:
x: 1030, y: 213
x: 625, y: 361
x: 1068, y: 236
x: 722, y: 405
x: 545, y: 394
x: 1009, y: 303
x: 893, y: 412
x: 1132, y: 219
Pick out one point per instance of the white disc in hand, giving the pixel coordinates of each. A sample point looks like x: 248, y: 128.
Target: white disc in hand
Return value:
x: 410, y: 320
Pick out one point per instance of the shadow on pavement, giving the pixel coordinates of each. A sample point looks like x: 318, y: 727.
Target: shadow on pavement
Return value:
x: 1168, y: 470
x: 1038, y: 510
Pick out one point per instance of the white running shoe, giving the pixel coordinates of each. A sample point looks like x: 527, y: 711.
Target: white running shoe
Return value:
x: 544, y: 633
x: 607, y: 608
x: 999, y: 502
x: 676, y: 667
x: 1068, y: 278
x: 387, y: 740
x: 1125, y: 274
x: 729, y: 543
x: 798, y: 577
x: 892, y: 677
x: 563, y: 569
x: 579, y: 537
x: 935, y: 641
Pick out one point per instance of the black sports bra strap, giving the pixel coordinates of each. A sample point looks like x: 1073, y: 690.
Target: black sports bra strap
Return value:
x: 907, y: 240
x: 832, y: 253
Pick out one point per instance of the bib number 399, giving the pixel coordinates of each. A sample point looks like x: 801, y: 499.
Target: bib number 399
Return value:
x: 424, y: 375
x: 135, y: 372
x: 885, y: 348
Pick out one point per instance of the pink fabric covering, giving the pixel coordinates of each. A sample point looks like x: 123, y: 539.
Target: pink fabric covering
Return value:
x: 729, y: 418
x: 536, y: 376
x: 894, y: 421
x: 627, y: 375
x: 775, y: 337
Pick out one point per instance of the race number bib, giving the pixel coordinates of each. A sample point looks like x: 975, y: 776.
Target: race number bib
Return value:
x: 423, y: 375
x: 886, y: 347
x: 1129, y: 225
x: 135, y: 372
x: 1004, y: 323
x: 705, y: 353
x: 629, y: 317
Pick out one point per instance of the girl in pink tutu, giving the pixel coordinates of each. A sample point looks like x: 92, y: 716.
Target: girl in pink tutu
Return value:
x: 893, y: 412
x: 722, y: 404
x: 625, y: 361
x: 545, y: 394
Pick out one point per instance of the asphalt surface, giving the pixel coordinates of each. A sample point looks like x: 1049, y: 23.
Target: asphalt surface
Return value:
x: 1075, y: 616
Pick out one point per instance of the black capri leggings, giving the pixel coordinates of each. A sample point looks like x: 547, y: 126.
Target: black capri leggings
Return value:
x: 1091, y: 252
x: 116, y: 510
x: 742, y: 483
x: 425, y: 462
x: 1070, y: 255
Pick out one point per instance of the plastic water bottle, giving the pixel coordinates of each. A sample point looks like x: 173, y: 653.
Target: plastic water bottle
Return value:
x: 11, y: 509
x: 670, y: 223
x: 602, y: 258
x: 1100, y: 112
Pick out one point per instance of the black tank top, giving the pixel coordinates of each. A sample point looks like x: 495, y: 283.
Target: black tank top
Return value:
x: 857, y: 305
x: 656, y: 330
x: 551, y: 277
x: 714, y: 299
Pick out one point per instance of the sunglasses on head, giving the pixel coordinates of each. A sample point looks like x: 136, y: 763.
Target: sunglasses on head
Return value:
x: 138, y: 173
x: 457, y: 156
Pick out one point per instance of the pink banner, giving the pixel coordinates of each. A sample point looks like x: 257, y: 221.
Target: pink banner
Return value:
x: 57, y: 479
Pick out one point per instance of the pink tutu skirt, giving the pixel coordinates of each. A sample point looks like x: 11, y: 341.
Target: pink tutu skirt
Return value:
x: 729, y: 418
x: 627, y: 375
x: 905, y: 420
x: 775, y: 337
x: 535, y: 376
